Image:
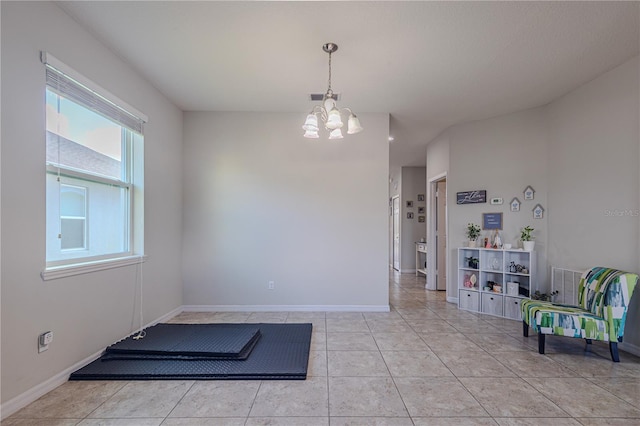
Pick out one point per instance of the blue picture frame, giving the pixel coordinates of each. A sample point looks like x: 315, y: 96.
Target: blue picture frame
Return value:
x: 492, y: 221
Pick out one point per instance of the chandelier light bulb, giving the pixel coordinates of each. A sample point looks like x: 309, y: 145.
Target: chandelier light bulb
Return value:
x: 311, y: 134
x: 336, y: 134
x: 334, y: 120
x: 353, y: 125
x: 311, y: 124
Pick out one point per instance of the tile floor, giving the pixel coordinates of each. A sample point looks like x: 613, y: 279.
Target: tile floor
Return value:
x: 423, y: 363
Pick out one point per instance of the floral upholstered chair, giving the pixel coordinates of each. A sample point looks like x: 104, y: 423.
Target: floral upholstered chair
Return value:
x: 603, y: 298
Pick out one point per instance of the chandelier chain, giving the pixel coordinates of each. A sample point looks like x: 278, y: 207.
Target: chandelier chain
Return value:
x: 329, y: 89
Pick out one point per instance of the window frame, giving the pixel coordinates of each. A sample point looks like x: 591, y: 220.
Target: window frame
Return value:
x: 132, y: 179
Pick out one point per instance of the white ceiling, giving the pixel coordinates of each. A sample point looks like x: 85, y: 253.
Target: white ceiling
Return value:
x: 429, y: 64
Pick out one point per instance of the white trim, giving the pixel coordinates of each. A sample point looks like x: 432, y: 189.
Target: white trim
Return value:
x: 56, y: 272
x: 27, y: 397
x: 452, y: 300
x: 285, y: 308
x: 628, y: 347
x: 431, y: 208
x: 48, y: 59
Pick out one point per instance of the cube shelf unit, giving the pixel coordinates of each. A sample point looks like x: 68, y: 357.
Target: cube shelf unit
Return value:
x: 504, y: 297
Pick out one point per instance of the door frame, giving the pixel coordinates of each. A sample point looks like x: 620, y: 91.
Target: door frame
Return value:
x: 432, y: 207
x: 393, y: 235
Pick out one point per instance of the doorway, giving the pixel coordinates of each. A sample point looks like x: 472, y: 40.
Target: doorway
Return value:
x: 396, y: 232
x: 437, y: 234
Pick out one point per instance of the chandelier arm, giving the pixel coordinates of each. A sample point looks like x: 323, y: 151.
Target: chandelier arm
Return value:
x: 347, y: 109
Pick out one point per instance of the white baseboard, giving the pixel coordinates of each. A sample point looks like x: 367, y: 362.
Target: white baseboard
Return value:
x: 628, y: 347
x: 26, y: 398
x: 285, y: 308
x: 452, y: 300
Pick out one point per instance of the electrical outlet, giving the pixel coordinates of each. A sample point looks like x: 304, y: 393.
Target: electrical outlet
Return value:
x: 271, y: 285
x: 44, y: 340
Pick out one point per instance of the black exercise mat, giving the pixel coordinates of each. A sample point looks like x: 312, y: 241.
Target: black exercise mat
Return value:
x: 281, y: 353
x: 242, y: 355
x: 232, y: 341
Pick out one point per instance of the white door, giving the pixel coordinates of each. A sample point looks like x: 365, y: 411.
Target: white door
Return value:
x: 396, y: 233
x: 441, y: 235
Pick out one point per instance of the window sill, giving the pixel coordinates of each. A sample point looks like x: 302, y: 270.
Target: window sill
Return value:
x: 85, y: 268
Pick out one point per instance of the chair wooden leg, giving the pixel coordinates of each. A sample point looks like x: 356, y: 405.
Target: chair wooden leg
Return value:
x: 541, y: 343
x: 525, y: 329
x: 613, y: 348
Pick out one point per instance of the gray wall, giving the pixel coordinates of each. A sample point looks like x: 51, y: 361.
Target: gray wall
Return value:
x: 413, y: 183
x: 502, y: 156
x: 594, y: 178
x: 580, y: 153
x: 262, y: 203
x: 85, y: 312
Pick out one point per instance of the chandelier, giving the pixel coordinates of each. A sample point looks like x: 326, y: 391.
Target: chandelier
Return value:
x: 328, y: 112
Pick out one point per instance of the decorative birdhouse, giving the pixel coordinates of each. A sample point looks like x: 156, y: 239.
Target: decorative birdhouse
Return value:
x: 515, y: 204
x: 529, y: 193
x: 538, y: 212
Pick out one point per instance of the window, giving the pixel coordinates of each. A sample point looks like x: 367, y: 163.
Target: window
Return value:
x: 73, y: 217
x: 94, y: 173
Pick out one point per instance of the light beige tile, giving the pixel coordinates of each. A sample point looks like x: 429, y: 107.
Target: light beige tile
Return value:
x: 351, y: 342
x: 364, y: 396
x: 538, y: 421
x: 498, y: 342
x: 609, y: 422
x: 415, y: 364
x: 371, y: 421
x: 457, y: 421
x: 389, y: 326
x: 474, y: 364
x: 437, y: 397
x: 231, y: 317
x: 355, y: 316
x: 418, y: 314
x: 318, y: 341
x: 217, y: 398
x: 268, y: 317
x: 346, y: 325
x: 215, y: 421
x: 592, y: 365
x: 530, y: 364
x: 317, y: 364
x: 356, y: 363
x: 287, y: 421
x: 40, y: 422
x: 472, y: 326
x: 626, y: 388
x: 450, y: 342
x: 143, y: 399
x: 431, y: 326
x: 292, y: 398
x: 71, y: 400
x: 399, y: 342
x: 511, y: 397
x: 121, y: 422
x: 581, y: 398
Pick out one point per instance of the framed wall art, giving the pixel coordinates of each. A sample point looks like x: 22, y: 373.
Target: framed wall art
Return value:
x: 492, y: 221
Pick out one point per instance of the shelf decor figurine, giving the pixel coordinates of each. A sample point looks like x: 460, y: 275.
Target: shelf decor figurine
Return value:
x: 473, y: 232
x: 527, y: 239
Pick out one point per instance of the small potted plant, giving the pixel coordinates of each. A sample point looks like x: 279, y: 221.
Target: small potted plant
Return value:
x: 527, y: 239
x: 473, y: 232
